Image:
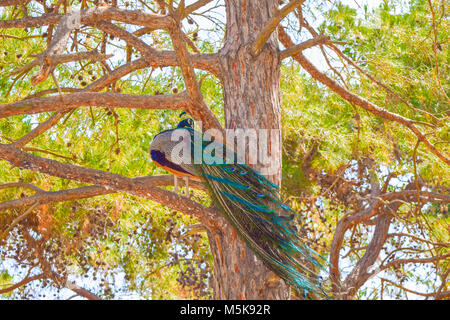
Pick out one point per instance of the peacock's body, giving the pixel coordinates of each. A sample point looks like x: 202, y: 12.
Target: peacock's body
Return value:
x: 250, y: 202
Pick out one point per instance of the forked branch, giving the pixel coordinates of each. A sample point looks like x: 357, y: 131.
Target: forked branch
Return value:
x: 272, y: 24
x: 46, y: 197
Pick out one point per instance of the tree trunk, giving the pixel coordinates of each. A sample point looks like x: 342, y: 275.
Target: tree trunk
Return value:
x: 251, y: 86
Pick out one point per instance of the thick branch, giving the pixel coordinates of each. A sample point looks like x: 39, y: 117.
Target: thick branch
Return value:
x: 92, y: 15
x: 361, y: 273
x: 81, y: 291
x: 42, y: 127
x: 22, y: 283
x: 69, y: 22
x: 113, y: 100
x: 46, y: 197
x: 18, y: 158
x: 31, y: 22
x: 116, y: 74
x: 57, y: 45
x: 401, y: 234
x: 330, y: 44
x: 5, y: 3
x: 21, y: 185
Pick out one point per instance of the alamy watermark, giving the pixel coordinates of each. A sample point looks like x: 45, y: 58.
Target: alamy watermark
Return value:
x: 259, y: 148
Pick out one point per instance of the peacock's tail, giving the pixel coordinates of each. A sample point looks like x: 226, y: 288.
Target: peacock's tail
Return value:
x: 252, y: 204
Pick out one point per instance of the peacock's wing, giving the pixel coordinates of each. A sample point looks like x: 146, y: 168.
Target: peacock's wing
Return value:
x: 252, y: 204
x: 162, y: 152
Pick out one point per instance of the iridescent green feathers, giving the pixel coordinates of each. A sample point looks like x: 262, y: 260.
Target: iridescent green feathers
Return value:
x: 252, y: 204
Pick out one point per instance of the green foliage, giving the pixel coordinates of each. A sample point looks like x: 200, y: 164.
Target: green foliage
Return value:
x: 394, y: 44
x: 124, y: 245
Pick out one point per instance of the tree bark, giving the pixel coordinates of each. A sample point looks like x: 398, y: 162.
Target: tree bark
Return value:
x: 251, y: 86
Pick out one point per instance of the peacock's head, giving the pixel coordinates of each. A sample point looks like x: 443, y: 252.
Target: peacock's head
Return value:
x: 162, y: 139
x: 186, y: 123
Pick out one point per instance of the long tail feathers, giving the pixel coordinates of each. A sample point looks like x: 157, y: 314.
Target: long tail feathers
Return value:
x: 252, y: 204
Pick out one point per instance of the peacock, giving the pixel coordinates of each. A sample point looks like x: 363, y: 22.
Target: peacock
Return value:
x: 251, y: 203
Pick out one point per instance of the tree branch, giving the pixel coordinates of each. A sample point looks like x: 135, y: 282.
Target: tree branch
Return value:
x: 360, y: 274
x: 63, y: 58
x: 21, y: 185
x: 69, y: 22
x: 92, y: 15
x: 411, y: 195
x: 17, y: 220
x: 199, y: 109
x: 5, y: 3
x: 95, y: 86
x: 31, y: 22
x: 330, y: 44
x: 196, y: 5
x: 81, y: 291
x: 320, y: 39
x: 399, y: 262
x: 22, y: 283
x: 401, y: 234
x: 159, y: 58
x: 46, y: 197
x: 433, y: 294
x: 114, y: 100
x: 18, y: 158
x: 357, y: 100
x: 272, y: 24
x: 42, y: 127
x: 57, y: 45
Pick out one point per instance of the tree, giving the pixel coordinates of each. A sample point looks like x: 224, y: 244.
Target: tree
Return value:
x: 352, y: 179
